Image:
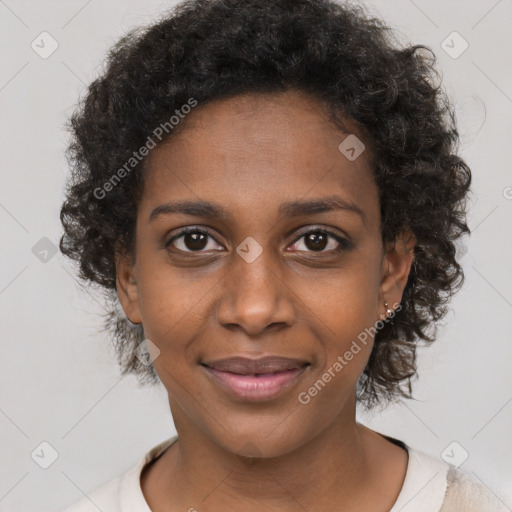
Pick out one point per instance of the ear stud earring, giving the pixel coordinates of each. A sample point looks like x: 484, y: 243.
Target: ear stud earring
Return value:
x: 389, y: 312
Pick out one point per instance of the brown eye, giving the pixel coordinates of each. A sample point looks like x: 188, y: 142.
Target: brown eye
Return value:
x: 316, y: 241
x: 191, y: 240
x: 319, y: 240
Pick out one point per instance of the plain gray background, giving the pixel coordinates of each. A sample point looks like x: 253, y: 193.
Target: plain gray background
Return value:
x: 59, y: 382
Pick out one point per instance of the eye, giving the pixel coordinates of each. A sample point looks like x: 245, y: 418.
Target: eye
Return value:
x: 316, y: 240
x: 191, y: 239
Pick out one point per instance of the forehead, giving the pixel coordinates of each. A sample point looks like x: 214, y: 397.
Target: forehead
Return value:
x: 258, y: 150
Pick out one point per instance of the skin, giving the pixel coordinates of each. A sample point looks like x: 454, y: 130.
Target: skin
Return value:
x: 249, y: 154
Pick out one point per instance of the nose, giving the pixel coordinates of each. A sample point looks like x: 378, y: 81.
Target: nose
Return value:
x: 256, y: 297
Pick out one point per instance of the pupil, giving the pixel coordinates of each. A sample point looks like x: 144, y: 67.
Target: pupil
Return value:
x: 195, y: 241
x: 313, y: 239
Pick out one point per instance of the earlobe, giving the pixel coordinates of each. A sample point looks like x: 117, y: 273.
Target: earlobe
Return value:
x: 127, y: 291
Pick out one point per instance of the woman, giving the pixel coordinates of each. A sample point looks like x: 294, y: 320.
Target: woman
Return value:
x: 269, y: 194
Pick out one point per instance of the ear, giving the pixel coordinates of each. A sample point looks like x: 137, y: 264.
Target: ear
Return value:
x: 126, y: 284
x: 396, y: 266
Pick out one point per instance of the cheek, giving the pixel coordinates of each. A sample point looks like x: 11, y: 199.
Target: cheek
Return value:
x: 346, y: 306
x: 349, y: 311
x: 348, y: 300
x: 171, y: 305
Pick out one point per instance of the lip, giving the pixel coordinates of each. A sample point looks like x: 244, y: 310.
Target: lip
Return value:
x: 255, y: 379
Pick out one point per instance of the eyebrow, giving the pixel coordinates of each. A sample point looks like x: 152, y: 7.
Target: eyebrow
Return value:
x: 295, y: 208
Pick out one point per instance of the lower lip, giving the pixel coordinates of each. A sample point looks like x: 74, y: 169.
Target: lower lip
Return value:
x: 252, y: 387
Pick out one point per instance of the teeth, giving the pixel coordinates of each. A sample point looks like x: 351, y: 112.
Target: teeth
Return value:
x: 263, y: 374
x: 259, y: 374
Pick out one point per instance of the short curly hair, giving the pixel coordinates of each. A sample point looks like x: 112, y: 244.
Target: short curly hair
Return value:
x: 341, y: 55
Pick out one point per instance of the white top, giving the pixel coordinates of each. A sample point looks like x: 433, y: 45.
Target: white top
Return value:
x: 430, y: 485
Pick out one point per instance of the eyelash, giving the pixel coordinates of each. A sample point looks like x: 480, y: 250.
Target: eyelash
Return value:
x: 343, y: 243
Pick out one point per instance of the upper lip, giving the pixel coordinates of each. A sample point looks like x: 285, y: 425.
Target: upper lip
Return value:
x: 246, y: 366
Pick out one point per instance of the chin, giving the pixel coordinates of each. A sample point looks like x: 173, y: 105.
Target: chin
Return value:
x: 261, y: 439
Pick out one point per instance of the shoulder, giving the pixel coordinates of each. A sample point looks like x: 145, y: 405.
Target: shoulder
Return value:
x: 425, y: 483
x: 122, y: 493
x: 466, y: 494
x: 432, y: 485
x: 102, y: 498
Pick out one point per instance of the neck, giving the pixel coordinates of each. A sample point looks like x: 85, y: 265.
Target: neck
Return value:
x: 338, y: 466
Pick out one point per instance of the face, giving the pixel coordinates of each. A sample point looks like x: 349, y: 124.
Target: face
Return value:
x: 268, y: 274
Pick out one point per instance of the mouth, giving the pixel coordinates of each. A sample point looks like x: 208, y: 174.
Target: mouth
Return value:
x: 255, y: 379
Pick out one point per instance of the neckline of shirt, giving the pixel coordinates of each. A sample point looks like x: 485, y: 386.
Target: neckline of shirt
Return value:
x: 423, y: 489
